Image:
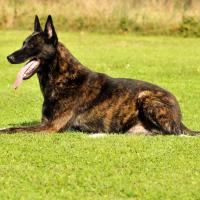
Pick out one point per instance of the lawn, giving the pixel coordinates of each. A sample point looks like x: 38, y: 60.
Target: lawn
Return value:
x: 75, y: 166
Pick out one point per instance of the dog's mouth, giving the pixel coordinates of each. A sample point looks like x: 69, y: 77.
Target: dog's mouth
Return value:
x: 27, y: 72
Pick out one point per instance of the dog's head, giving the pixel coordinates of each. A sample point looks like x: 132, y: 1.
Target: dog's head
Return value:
x: 38, y: 48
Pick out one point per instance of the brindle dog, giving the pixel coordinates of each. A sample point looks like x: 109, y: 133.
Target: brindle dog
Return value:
x: 77, y: 98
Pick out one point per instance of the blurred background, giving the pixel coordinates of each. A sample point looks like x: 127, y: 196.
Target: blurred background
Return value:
x: 147, y: 17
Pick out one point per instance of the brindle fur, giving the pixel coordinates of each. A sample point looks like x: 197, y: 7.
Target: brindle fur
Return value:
x: 77, y: 98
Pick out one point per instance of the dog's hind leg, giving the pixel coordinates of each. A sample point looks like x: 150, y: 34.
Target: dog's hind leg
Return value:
x: 160, y: 113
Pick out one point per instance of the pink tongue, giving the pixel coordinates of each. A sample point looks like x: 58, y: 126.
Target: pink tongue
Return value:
x: 25, y: 70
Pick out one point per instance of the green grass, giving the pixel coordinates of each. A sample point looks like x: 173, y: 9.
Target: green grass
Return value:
x: 74, y: 166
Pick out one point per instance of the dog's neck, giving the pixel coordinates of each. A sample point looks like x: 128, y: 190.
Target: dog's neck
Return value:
x: 66, y: 64
x: 64, y: 70
x: 65, y: 60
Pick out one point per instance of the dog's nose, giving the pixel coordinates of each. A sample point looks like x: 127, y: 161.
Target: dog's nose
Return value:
x: 11, y: 59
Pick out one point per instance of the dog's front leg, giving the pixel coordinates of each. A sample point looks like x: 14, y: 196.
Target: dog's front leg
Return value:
x: 30, y: 129
x: 58, y: 124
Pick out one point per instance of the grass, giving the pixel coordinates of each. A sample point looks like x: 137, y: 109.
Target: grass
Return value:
x: 74, y: 166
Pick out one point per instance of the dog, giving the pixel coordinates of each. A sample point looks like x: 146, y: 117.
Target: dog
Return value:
x: 76, y: 98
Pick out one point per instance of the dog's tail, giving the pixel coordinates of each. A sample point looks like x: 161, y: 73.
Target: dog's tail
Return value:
x: 187, y: 131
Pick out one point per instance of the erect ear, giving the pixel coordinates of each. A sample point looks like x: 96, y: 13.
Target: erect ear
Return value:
x: 37, y: 26
x: 50, y: 31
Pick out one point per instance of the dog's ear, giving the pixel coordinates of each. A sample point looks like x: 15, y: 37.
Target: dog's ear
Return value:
x: 50, y: 31
x: 37, y: 26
